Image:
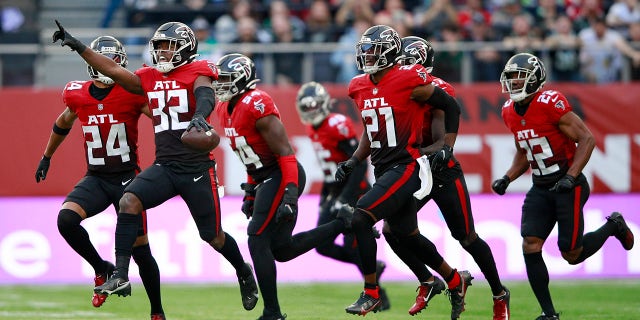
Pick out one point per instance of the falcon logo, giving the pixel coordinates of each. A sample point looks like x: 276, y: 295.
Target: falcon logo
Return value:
x: 560, y: 105
x: 258, y: 105
x: 241, y: 65
x: 186, y: 33
x: 417, y: 49
x: 391, y: 35
x: 422, y: 75
x: 537, y: 65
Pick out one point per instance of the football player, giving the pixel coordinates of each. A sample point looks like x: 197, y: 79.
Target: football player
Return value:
x: 334, y: 140
x: 452, y: 197
x: 111, y: 165
x: 391, y: 100
x: 180, y: 95
x: 556, y: 144
x: 275, y: 179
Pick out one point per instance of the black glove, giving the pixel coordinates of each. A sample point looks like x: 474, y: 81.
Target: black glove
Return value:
x: 345, y: 168
x: 440, y: 159
x: 500, y: 185
x: 288, y: 209
x: 68, y: 40
x: 564, y: 185
x: 248, y: 199
x: 199, y: 122
x: 43, y: 168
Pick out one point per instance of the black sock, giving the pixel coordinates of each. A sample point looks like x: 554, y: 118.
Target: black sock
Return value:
x: 483, y: 256
x: 126, y: 234
x: 423, y: 249
x: 231, y: 252
x: 416, y: 265
x: 266, y: 273
x: 367, y: 246
x: 304, y: 241
x: 150, y: 275
x: 78, y: 238
x: 539, y: 281
x: 593, y: 241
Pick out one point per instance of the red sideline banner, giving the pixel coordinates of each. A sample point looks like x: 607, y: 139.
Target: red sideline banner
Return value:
x: 484, y: 146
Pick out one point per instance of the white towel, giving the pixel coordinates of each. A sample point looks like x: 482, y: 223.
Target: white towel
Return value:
x: 426, y: 180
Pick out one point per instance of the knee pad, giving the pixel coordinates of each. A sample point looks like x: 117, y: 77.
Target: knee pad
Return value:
x: 361, y: 221
x: 68, y: 219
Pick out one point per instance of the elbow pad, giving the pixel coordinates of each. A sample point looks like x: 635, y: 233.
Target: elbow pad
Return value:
x: 205, y: 100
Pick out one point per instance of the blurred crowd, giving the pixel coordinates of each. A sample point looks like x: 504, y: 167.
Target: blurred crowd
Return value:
x: 592, y: 41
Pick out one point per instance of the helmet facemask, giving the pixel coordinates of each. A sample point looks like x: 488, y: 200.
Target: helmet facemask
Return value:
x: 172, y: 45
x: 111, y: 48
x: 312, y: 103
x: 523, y: 75
x: 371, y: 57
x: 236, y: 74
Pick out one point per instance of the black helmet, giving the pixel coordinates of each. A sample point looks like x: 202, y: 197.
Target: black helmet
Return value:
x: 312, y: 103
x: 377, y: 49
x: 111, y: 48
x: 236, y: 73
x: 416, y: 50
x: 523, y: 75
x: 183, y: 46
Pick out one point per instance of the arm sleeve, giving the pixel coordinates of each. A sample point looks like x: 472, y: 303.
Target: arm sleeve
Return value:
x: 441, y: 100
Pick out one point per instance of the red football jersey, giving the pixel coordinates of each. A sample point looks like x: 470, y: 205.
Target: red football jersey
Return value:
x: 392, y: 120
x: 549, y: 151
x: 325, y: 138
x: 109, y: 126
x: 427, y: 139
x: 240, y: 128
x: 172, y: 105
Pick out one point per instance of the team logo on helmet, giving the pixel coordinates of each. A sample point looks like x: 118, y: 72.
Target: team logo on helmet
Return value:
x: 391, y: 36
x: 185, y: 32
x: 240, y: 64
x: 417, y: 49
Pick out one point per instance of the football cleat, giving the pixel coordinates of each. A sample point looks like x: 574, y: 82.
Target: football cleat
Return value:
x: 363, y: 305
x: 426, y: 292
x: 501, y: 309
x: 115, y: 285
x: 98, y: 298
x: 624, y: 234
x: 278, y: 317
x: 248, y: 289
x: 551, y: 317
x: 457, y: 294
x: 158, y: 316
x: 385, y: 304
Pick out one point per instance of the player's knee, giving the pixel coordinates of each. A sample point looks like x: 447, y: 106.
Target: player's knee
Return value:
x: 130, y: 203
x: 209, y: 236
x: 67, y: 220
x: 256, y: 244
x: 467, y: 239
x: 361, y: 221
x: 140, y: 253
x: 324, y: 249
x: 572, y: 256
x: 532, y: 244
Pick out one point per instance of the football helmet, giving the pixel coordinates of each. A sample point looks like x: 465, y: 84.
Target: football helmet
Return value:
x: 377, y: 49
x: 416, y: 50
x: 111, y: 48
x: 523, y: 75
x: 236, y: 74
x: 312, y: 103
x: 178, y: 40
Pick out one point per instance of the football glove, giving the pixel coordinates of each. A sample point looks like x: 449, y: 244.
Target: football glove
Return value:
x: 500, y: 186
x: 288, y: 209
x: 564, y: 185
x: 440, y: 159
x: 43, y: 168
x: 345, y: 168
x: 249, y: 198
x: 67, y: 39
x: 199, y: 122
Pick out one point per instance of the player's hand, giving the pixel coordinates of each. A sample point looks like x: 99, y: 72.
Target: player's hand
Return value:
x: 500, y: 186
x: 199, y: 122
x: 249, y: 198
x: 440, y: 159
x: 564, y: 185
x: 288, y: 209
x: 43, y: 168
x: 337, y: 205
x: 345, y: 168
x: 376, y: 232
x: 67, y: 39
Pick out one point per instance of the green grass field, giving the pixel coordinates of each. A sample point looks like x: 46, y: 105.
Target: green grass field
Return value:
x: 611, y: 299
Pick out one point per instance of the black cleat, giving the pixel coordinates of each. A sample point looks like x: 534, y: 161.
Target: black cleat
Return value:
x: 457, y: 294
x: 385, y: 304
x: 551, y: 317
x: 624, y: 234
x: 115, y: 285
x: 248, y: 289
x: 278, y: 317
x: 426, y: 292
x: 364, y: 305
x: 345, y: 214
x: 98, y: 299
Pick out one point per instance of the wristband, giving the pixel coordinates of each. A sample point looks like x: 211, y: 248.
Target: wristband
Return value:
x: 289, y: 167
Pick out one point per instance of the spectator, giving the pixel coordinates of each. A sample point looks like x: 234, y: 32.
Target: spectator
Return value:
x: 622, y: 14
x: 522, y: 38
x: 502, y: 17
x: 564, y: 50
x: 448, y: 63
x: 545, y: 15
x: 342, y: 59
x: 226, y: 25
x: 288, y: 65
x: 634, y: 37
x: 247, y: 33
x: 394, y: 12
x: 471, y: 12
x: 279, y: 8
x: 206, y: 43
x: 435, y: 17
x: 487, y: 61
x: 320, y: 29
x: 351, y: 11
x: 590, y: 10
x: 601, y: 54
